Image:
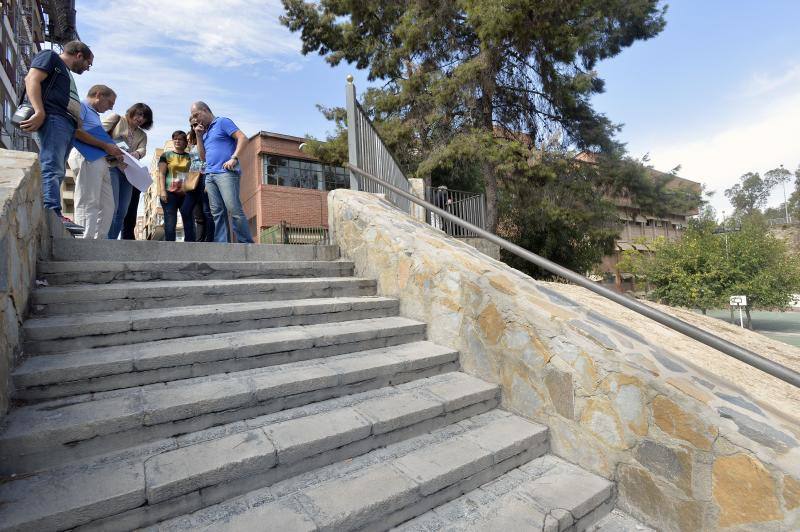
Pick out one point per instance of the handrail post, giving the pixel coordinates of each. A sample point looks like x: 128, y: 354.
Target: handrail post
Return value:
x: 352, y: 131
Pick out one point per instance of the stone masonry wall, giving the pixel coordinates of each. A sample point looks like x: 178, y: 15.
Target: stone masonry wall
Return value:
x: 22, y: 222
x: 689, y: 449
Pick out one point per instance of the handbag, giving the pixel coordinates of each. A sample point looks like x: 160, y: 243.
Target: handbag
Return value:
x: 193, y: 176
x: 25, y: 110
x: 192, y: 181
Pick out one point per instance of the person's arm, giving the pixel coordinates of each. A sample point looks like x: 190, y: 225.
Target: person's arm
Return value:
x: 110, y: 123
x: 241, y: 142
x: 33, y: 87
x: 141, y: 147
x: 199, y: 129
x: 162, y: 180
x: 111, y: 149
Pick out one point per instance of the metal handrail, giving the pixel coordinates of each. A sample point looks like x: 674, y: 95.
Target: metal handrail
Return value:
x: 744, y: 355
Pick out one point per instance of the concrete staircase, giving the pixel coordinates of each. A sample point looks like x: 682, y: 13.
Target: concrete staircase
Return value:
x: 229, y: 387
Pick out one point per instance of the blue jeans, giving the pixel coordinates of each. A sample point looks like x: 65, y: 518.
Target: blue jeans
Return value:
x: 122, y: 197
x: 176, y: 202
x: 223, y: 195
x: 55, y: 140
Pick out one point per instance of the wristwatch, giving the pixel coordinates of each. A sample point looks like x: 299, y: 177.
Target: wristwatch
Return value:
x: 234, y: 157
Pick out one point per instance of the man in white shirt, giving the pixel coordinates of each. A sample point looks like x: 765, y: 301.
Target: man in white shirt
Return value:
x: 94, y: 197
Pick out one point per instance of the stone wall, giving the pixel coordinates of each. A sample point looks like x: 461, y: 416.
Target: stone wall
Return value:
x: 688, y: 448
x: 22, y: 239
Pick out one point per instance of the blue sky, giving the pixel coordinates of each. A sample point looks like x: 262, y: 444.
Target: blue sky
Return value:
x: 718, y: 92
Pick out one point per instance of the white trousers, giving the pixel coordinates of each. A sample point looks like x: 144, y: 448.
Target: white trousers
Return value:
x: 94, y: 197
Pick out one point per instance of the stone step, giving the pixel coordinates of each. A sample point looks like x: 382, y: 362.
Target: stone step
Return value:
x: 384, y: 487
x: 104, y: 272
x: 160, y: 294
x: 124, y: 366
x: 546, y: 494
x: 216, y: 465
x: 71, y: 249
x: 43, y: 435
x: 80, y: 331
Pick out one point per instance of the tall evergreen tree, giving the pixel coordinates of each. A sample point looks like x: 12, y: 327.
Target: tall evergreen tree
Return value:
x: 482, y: 85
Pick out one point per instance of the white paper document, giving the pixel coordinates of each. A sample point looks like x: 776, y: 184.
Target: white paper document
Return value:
x: 137, y: 176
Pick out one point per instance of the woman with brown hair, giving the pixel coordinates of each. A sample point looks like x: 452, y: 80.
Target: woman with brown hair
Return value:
x: 130, y: 130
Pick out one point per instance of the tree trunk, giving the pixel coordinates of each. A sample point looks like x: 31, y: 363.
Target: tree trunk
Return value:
x: 492, y: 214
x: 488, y: 85
x: 703, y: 311
x: 748, y: 322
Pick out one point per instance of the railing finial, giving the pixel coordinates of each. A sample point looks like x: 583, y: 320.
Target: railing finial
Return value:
x: 349, y: 78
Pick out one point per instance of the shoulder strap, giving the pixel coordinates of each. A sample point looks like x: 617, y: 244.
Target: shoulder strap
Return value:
x: 56, y: 71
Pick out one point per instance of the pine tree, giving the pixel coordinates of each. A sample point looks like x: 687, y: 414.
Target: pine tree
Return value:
x: 480, y: 85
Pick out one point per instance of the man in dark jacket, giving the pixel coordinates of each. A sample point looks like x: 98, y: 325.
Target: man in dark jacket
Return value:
x: 51, y: 91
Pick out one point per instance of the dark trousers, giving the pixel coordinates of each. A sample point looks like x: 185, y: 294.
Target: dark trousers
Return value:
x: 202, y: 205
x: 129, y: 223
x: 185, y: 204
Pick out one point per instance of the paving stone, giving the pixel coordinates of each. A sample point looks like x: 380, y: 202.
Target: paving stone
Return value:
x: 568, y: 486
x: 77, y: 325
x: 57, y: 502
x: 293, y: 381
x: 401, y: 410
x: 759, y: 431
x: 300, y: 438
x: 353, y: 502
x: 518, y: 501
x: 190, y: 468
x: 102, y: 362
x: 69, y: 249
x: 38, y: 427
x: 508, y: 437
x: 180, y: 406
x: 444, y: 464
x: 618, y: 521
x: 272, y: 516
x: 451, y: 391
x: 181, y: 402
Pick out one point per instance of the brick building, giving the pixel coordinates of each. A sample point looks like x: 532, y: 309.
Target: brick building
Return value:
x: 281, y: 183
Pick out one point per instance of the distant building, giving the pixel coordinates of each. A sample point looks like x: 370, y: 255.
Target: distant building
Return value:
x: 638, y: 228
x: 281, y: 183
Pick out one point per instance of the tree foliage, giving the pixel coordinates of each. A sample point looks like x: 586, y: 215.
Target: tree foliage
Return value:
x: 464, y: 79
x: 494, y: 96
x: 705, y: 267
x: 750, y: 195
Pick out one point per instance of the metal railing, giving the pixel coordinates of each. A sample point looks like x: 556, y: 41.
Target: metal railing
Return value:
x: 748, y: 357
x: 285, y: 233
x: 366, y: 150
x: 468, y: 206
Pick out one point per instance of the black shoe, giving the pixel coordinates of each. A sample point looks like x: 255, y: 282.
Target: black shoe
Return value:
x: 72, y: 227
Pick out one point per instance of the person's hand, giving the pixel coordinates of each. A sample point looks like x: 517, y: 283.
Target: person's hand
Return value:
x: 199, y: 129
x: 33, y: 123
x: 230, y: 164
x: 163, y: 197
x: 114, y: 151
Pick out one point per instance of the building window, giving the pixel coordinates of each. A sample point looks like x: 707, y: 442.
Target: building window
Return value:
x: 289, y: 172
